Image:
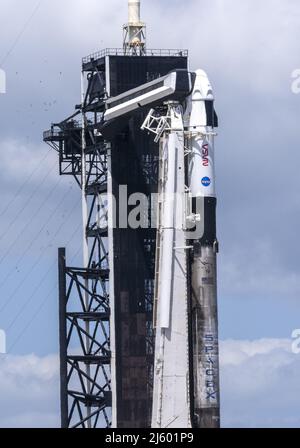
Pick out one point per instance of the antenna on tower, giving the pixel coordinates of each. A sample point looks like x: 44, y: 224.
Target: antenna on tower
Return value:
x: 134, y: 31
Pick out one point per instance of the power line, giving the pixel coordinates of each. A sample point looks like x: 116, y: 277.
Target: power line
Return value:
x: 37, y: 287
x: 28, y: 223
x: 51, y: 216
x: 16, y: 317
x: 25, y: 26
x: 17, y: 194
x: 36, y: 190
x: 32, y: 268
x: 43, y: 303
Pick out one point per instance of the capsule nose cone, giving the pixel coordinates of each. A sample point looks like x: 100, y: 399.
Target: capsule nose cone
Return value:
x: 200, y: 72
x: 202, y: 87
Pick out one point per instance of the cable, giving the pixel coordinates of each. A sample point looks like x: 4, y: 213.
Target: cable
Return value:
x: 11, y: 324
x: 43, y: 303
x: 29, y: 200
x: 14, y: 320
x: 15, y: 42
x: 52, y: 214
x: 32, y: 268
x: 28, y: 223
x: 17, y: 194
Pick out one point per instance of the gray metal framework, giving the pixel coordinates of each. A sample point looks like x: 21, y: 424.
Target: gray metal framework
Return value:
x: 83, y: 388
x: 86, y: 397
x: 102, y: 384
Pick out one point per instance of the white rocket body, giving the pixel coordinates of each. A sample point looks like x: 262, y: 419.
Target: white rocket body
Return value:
x: 200, y: 120
x: 171, y: 365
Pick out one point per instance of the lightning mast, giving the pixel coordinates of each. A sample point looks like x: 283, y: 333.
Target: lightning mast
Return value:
x: 134, y: 32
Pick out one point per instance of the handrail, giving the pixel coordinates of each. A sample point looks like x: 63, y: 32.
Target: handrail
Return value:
x: 121, y: 52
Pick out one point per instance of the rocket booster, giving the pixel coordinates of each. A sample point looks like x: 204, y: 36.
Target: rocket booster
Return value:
x: 200, y: 121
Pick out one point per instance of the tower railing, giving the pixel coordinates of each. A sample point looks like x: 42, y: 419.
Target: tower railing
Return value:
x: 121, y: 52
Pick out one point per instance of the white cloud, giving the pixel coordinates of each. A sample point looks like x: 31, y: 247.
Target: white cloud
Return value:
x: 19, y: 160
x: 234, y: 352
x: 29, y: 390
x: 260, y: 384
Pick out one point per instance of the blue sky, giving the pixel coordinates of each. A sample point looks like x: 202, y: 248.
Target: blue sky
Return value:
x: 249, y: 49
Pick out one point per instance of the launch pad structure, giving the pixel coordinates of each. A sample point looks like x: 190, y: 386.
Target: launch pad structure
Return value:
x: 108, y: 307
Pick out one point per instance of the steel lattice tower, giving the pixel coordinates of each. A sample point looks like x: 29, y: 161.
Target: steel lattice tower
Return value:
x: 106, y: 376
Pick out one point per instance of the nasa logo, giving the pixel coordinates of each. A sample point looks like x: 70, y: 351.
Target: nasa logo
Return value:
x: 205, y: 152
x: 206, y: 181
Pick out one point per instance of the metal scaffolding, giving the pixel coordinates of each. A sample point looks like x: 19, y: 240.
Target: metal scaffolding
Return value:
x: 86, y: 398
x: 84, y: 352
x: 106, y: 306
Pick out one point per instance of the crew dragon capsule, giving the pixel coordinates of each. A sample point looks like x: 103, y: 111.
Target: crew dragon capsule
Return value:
x: 200, y: 123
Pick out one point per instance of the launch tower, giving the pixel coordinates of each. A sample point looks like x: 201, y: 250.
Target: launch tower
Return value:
x: 108, y: 306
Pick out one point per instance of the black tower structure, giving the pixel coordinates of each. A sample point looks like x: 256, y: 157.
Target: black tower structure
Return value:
x: 106, y: 306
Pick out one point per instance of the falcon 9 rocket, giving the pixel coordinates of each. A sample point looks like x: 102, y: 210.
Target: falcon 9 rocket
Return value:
x: 201, y: 121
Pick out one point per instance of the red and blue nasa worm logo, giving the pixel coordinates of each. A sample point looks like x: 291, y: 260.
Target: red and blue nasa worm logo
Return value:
x: 205, y: 153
